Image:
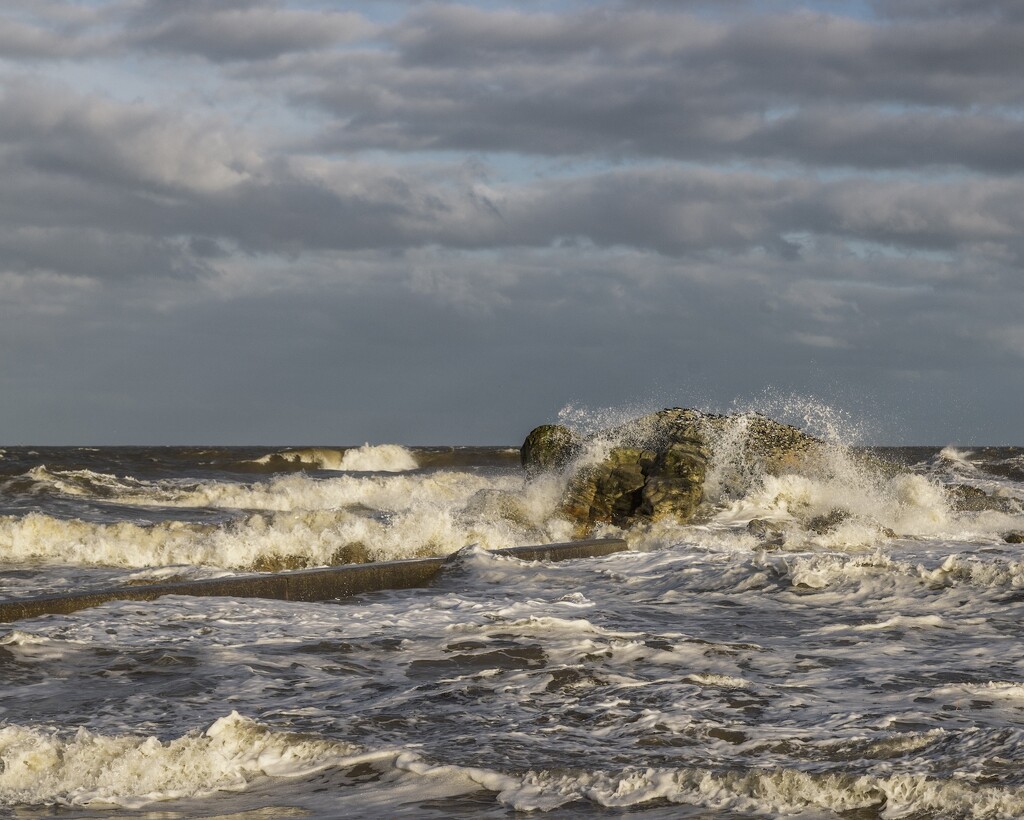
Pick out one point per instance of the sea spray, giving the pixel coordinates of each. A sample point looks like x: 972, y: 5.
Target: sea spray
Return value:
x: 385, y: 458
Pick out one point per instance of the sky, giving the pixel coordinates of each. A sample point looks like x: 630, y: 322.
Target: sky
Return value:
x: 257, y: 221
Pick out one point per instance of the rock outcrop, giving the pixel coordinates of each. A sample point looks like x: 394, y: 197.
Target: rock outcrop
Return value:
x: 965, y: 498
x: 655, y: 466
x: 548, y: 447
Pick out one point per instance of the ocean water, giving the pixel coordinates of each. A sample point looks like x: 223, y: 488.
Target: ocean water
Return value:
x: 873, y: 669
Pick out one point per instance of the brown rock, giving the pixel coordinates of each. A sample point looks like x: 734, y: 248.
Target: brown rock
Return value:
x: 548, y: 447
x: 657, y: 464
x: 675, y: 481
x: 610, y: 491
x: 822, y: 524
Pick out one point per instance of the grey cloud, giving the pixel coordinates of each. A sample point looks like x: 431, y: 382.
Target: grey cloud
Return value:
x: 234, y: 30
x: 612, y: 80
x: 239, y: 30
x: 934, y: 215
x: 832, y: 136
x: 19, y: 40
x: 461, y: 35
x: 998, y: 9
x: 805, y: 87
x: 689, y: 250
x: 90, y: 164
x: 44, y: 31
x: 101, y: 255
x: 673, y: 212
x: 788, y: 53
x: 51, y: 129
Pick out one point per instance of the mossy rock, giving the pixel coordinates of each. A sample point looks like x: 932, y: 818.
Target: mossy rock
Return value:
x: 656, y: 465
x: 354, y: 553
x: 824, y: 524
x: 548, y: 447
x: 611, y: 490
x: 675, y: 482
x: 965, y: 498
x: 278, y: 563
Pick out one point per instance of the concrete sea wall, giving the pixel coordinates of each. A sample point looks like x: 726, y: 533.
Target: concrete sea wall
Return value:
x: 301, y: 585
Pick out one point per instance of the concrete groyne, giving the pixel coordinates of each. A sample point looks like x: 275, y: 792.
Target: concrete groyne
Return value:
x: 321, y: 584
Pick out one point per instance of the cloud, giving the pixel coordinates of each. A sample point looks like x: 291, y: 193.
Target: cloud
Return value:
x: 46, y: 30
x: 939, y: 9
x: 501, y: 207
x: 803, y: 86
x: 239, y: 31
x: 51, y: 129
x: 80, y: 165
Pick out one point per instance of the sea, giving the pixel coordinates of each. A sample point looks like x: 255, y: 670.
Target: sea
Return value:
x: 868, y: 667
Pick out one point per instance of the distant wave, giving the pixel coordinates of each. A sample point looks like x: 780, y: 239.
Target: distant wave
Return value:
x: 308, y: 522
x: 83, y: 482
x: 380, y: 458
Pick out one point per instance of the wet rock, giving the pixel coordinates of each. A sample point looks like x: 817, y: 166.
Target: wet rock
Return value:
x: 766, y: 532
x: 611, y: 490
x: 1015, y: 537
x: 674, y: 483
x: 655, y: 466
x: 760, y: 441
x: 353, y: 553
x: 277, y: 563
x: 822, y: 524
x: 965, y: 498
x: 548, y: 447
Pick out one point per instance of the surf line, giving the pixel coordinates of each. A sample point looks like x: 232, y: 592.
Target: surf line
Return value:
x: 322, y: 584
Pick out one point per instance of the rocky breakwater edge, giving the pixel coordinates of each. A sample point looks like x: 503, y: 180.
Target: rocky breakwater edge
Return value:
x: 684, y: 466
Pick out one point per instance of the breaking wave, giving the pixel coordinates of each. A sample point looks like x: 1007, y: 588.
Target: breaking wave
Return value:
x: 381, y: 458
x: 42, y: 767
x: 842, y: 497
x: 306, y: 523
x: 381, y: 507
x: 778, y: 791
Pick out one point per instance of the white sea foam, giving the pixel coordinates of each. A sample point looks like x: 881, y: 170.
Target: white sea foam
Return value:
x: 753, y: 682
x: 504, y: 496
x: 958, y: 458
x: 43, y: 767
x: 308, y: 522
x: 85, y: 482
x: 876, y: 501
x: 771, y: 791
x: 973, y: 570
x: 380, y: 458
x: 18, y: 638
x: 311, y: 521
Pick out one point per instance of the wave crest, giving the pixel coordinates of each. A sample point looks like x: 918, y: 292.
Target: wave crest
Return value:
x: 370, y: 458
x: 42, y: 767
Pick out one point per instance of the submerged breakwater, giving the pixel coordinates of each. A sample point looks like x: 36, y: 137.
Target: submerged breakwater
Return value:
x: 301, y: 585
x: 829, y: 639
